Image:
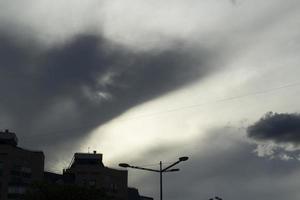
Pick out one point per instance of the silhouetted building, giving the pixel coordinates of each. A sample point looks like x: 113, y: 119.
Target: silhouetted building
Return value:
x: 87, y: 169
x: 18, y: 167
x: 145, y: 198
x: 133, y: 194
x: 53, y: 178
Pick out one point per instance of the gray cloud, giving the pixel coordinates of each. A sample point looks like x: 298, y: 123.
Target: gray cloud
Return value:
x: 57, y: 95
x: 222, y: 164
x: 277, y: 127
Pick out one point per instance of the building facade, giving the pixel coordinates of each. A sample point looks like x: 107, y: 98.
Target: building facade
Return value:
x: 18, y: 167
x: 88, y: 170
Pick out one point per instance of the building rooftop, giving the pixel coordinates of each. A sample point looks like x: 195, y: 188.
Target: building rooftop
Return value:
x: 87, y: 159
x: 7, y: 137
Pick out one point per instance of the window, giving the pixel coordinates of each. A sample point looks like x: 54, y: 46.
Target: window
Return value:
x: 114, y: 187
x: 26, y: 172
x: 16, y: 170
x: 16, y: 192
x: 16, y: 189
x: 15, y: 196
x: 15, y: 180
x: 1, y: 168
x: 92, y: 183
x: 23, y: 171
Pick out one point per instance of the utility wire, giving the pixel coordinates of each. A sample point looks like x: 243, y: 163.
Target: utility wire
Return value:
x: 216, y: 101
x: 262, y: 92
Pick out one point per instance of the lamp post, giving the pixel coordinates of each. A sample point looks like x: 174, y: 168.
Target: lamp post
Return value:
x: 216, y: 198
x: 160, y: 171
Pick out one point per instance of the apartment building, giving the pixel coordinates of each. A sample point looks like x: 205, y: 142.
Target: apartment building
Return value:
x: 88, y: 170
x: 18, y: 167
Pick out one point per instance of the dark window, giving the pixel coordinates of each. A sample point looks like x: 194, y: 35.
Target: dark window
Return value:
x: 1, y: 168
x: 22, y: 171
x: 15, y: 196
x: 15, y: 173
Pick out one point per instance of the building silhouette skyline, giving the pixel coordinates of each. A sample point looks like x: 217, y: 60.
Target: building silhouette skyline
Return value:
x: 20, y: 168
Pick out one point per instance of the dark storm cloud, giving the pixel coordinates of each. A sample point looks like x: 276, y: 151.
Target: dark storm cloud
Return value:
x: 65, y: 91
x: 222, y: 164
x: 277, y: 127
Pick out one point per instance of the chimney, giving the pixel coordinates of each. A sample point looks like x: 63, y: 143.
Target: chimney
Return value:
x: 95, y: 152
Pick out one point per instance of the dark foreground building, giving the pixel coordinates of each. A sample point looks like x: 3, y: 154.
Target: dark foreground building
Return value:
x: 133, y: 194
x: 18, y: 167
x: 88, y: 170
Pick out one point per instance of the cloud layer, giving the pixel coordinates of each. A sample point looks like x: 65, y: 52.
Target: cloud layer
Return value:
x: 64, y: 91
x: 66, y: 68
x: 277, y: 127
x: 277, y: 136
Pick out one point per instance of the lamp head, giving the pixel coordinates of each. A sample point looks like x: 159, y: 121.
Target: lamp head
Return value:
x: 185, y: 158
x: 173, y: 170
x: 124, y: 165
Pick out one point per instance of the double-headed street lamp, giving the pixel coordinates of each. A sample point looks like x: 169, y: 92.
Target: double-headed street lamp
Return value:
x: 160, y: 171
x: 216, y: 198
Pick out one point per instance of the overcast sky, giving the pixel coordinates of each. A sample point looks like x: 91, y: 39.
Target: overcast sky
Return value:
x: 143, y: 81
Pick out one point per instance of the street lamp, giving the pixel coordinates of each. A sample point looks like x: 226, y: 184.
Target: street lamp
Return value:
x: 160, y: 171
x: 216, y: 198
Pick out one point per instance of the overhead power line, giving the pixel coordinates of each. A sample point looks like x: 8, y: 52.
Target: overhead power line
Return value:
x: 261, y: 92
x: 217, y: 101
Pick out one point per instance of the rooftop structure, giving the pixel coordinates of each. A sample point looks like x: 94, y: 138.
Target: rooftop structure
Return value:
x: 7, y: 137
x: 88, y: 170
x: 88, y: 159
